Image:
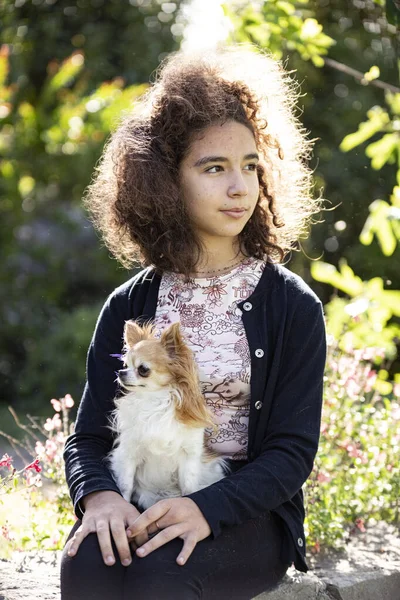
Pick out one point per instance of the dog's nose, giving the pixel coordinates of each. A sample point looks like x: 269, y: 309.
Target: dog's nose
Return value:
x: 122, y: 373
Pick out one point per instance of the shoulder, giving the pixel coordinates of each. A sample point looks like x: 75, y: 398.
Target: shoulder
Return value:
x: 293, y: 286
x: 134, y: 284
x: 121, y: 298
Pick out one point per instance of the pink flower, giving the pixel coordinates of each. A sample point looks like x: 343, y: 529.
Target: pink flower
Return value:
x: 395, y: 411
x: 34, y: 465
x: 39, y: 449
x: 55, y: 538
x: 352, y: 388
x: 54, y: 423
x: 356, y: 453
x: 56, y: 404
x: 371, y: 378
x: 322, y: 477
x: 69, y: 403
x: 360, y: 525
x: 6, y: 461
x: 51, y: 449
x: 6, y: 533
x: 33, y: 478
x: 396, y: 390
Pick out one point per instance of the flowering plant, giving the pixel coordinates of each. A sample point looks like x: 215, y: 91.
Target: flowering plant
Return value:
x: 356, y: 474
x: 47, y: 511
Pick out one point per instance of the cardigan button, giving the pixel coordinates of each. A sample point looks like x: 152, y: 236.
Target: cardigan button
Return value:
x: 258, y: 404
x: 259, y: 353
x: 247, y: 306
x: 300, y: 542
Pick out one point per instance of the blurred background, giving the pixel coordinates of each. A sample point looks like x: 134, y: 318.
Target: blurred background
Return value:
x: 68, y: 69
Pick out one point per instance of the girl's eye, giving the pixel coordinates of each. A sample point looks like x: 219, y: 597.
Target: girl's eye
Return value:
x: 143, y: 371
x: 253, y: 167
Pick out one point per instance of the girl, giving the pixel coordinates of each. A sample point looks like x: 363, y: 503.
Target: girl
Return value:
x: 206, y: 183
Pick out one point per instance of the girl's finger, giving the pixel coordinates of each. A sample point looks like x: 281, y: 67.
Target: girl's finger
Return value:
x: 165, y: 535
x: 189, y: 544
x: 104, y: 537
x: 118, y: 533
x: 76, y: 540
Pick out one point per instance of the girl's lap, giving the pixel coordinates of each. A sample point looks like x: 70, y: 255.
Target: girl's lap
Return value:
x: 242, y: 562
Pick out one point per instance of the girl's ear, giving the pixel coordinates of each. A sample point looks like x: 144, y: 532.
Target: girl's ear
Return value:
x: 171, y: 339
x: 133, y: 333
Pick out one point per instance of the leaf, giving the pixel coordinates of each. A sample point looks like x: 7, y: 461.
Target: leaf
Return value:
x: 377, y: 119
x: 366, y: 236
x: 64, y: 75
x: 4, y: 64
x: 383, y: 387
x: 395, y: 197
x: 379, y: 223
x: 345, y: 281
x: 372, y: 74
x: 384, y: 150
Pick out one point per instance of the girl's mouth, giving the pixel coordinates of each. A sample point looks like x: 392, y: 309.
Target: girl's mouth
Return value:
x: 236, y: 214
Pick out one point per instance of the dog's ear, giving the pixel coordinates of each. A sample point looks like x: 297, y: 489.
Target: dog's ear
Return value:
x: 171, y: 339
x: 134, y: 333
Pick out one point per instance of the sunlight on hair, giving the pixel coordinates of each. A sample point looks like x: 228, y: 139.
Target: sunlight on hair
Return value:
x: 206, y: 24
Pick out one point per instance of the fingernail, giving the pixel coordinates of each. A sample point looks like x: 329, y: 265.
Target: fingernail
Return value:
x: 71, y: 552
x: 129, y: 532
x: 181, y: 560
x: 126, y: 562
x: 140, y: 551
x: 109, y: 560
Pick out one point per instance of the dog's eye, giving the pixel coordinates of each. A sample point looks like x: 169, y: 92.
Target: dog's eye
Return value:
x: 143, y: 371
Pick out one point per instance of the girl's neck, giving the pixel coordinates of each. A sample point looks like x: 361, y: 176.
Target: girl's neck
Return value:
x: 217, y: 261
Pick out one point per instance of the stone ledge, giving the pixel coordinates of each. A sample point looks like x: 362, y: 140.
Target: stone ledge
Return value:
x: 295, y: 586
x: 369, y: 569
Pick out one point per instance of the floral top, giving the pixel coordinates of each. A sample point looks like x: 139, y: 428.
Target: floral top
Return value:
x: 212, y: 327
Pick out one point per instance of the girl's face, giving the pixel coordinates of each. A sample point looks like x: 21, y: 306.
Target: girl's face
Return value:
x: 219, y: 180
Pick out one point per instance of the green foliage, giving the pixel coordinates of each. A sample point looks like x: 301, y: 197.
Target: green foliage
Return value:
x: 279, y: 25
x: 384, y: 219
x: 387, y: 148
x: 364, y: 321
x: 67, y: 125
x: 384, y: 223
x: 61, y: 94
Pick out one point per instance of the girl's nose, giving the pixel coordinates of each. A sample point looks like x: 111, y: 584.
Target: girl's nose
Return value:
x: 238, y: 185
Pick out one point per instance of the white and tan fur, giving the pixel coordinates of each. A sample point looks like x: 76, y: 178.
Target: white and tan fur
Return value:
x: 159, y: 450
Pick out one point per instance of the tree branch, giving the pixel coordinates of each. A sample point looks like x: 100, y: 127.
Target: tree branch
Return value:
x: 360, y: 76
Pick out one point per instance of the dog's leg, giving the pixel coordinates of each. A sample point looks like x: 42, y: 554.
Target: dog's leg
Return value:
x: 123, y: 471
x: 189, y: 471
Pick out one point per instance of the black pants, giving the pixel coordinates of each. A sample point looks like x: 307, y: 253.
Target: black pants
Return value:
x: 242, y: 562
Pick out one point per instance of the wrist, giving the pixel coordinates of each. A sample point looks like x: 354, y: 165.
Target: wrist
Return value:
x: 89, y: 499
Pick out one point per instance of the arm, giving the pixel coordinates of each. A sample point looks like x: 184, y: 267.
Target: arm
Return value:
x: 86, y: 448
x: 291, y: 442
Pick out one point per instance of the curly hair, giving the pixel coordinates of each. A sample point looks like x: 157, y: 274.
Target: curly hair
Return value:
x: 135, y: 200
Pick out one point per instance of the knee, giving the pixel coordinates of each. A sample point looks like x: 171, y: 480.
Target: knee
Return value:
x: 87, y: 557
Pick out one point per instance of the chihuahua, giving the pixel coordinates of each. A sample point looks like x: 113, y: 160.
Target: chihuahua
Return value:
x: 159, y: 449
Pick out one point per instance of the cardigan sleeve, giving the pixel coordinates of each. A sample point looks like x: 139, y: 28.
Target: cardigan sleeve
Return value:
x: 91, y: 441
x: 291, y: 441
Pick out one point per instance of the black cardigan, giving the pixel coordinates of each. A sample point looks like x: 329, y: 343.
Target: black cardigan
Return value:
x: 285, y: 329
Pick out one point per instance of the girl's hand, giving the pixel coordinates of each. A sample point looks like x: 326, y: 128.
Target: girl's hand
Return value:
x: 176, y: 517
x: 107, y: 513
